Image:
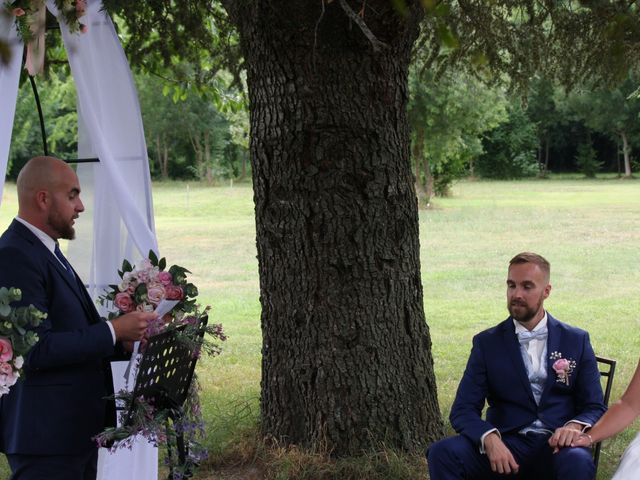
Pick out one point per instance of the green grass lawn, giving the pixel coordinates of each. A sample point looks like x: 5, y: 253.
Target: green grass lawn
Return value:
x: 588, y: 229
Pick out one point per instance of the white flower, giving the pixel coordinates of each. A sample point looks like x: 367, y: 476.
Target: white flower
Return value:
x: 18, y: 362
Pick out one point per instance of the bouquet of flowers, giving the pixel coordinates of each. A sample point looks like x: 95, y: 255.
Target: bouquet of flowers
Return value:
x: 149, y: 286
x: 146, y: 285
x: 16, y: 336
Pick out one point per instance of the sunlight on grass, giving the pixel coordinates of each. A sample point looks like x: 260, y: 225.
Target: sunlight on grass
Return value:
x: 588, y: 229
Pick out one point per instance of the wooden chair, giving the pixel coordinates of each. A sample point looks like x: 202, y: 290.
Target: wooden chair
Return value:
x: 607, y: 369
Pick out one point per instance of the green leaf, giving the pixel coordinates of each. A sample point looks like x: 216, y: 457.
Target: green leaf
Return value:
x: 153, y: 258
x: 126, y: 266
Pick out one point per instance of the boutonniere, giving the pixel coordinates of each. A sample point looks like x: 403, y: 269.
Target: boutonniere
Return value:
x: 563, y: 367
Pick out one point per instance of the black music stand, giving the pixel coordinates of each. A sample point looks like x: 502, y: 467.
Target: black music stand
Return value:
x: 164, y: 378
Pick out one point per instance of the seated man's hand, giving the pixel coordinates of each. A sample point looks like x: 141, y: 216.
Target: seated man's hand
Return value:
x: 131, y: 326
x: 500, y: 457
x: 565, y: 436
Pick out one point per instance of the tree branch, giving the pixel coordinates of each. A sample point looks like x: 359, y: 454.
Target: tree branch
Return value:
x: 377, y: 44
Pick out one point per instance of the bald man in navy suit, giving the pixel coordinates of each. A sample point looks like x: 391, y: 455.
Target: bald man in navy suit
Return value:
x: 48, y: 419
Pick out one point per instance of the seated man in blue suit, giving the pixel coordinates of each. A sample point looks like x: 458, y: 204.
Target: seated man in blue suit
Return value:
x: 539, y: 378
x: 48, y: 419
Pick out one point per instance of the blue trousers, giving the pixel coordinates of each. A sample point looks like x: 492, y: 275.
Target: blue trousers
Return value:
x: 457, y: 458
x: 54, y: 467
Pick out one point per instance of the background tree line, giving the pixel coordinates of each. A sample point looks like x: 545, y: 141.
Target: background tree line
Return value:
x: 189, y: 135
x: 460, y: 127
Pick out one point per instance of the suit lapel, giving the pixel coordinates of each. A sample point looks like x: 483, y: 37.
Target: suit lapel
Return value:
x: 515, y: 356
x: 74, y: 284
x: 78, y: 290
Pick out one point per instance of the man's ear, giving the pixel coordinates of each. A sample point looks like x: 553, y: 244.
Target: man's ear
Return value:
x: 42, y: 199
x: 547, y: 291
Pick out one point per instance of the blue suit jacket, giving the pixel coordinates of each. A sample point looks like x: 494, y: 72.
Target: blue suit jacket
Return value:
x: 59, y: 403
x: 496, y: 374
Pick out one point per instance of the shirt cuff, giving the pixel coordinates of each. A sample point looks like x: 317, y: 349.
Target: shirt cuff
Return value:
x: 484, y: 435
x: 113, y: 332
x: 585, y: 426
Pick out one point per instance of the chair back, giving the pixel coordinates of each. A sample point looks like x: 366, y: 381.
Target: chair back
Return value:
x: 607, y: 368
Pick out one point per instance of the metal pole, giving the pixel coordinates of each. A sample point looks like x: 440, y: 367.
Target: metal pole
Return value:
x: 42, y: 130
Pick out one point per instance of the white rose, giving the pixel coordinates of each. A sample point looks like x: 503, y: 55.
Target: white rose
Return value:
x: 18, y: 362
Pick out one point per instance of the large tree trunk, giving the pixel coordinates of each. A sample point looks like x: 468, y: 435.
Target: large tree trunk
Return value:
x: 346, y: 350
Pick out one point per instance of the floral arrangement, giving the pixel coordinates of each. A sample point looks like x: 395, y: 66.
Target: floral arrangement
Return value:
x: 563, y: 367
x: 28, y: 16
x: 145, y: 285
x: 16, y: 335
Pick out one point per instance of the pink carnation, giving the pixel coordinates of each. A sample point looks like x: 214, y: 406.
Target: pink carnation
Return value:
x: 124, y: 302
x: 174, y: 293
x: 6, y: 350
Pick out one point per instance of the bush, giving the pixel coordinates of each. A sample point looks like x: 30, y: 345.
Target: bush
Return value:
x: 510, y: 149
x: 587, y: 160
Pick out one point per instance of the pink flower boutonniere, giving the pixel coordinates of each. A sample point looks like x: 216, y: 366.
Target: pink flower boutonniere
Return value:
x: 563, y: 367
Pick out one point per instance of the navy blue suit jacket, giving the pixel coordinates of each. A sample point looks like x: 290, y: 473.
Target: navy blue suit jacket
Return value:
x: 496, y: 374
x: 59, y: 403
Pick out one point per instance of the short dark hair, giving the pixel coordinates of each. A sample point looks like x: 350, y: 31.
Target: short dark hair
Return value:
x: 530, y: 257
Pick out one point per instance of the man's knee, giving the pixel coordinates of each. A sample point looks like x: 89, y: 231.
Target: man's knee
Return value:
x: 575, y: 463
x: 450, y: 453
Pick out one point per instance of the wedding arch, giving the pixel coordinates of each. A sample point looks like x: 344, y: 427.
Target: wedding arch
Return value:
x: 118, y: 222
x: 116, y: 189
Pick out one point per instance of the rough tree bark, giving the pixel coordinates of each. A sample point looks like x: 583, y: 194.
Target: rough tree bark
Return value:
x: 346, y: 350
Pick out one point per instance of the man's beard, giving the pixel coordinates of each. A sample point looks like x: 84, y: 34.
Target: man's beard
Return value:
x: 61, y: 227
x: 528, y: 313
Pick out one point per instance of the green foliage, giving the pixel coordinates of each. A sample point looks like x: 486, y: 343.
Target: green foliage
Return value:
x: 449, y: 115
x: 513, y: 40
x: 587, y: 160
x: 510, y: 148
x: 58, y: 100
x: 17, y: 323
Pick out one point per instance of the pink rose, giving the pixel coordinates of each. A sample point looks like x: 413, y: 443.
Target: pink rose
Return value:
x: 18, y: 12
x: 5, y: 368
x: 173, y: 292
x: 124, y: 302
x: 165, y: 278
x: 6, y: 350
x: 155, y: 293
x: 561, y: 366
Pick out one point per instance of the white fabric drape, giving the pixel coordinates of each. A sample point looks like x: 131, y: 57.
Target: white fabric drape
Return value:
x: 9, y: 77
x: 110, y: 128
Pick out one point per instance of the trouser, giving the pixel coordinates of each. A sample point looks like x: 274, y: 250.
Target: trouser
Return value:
x: 54, y: 467
x: 457, y: 458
